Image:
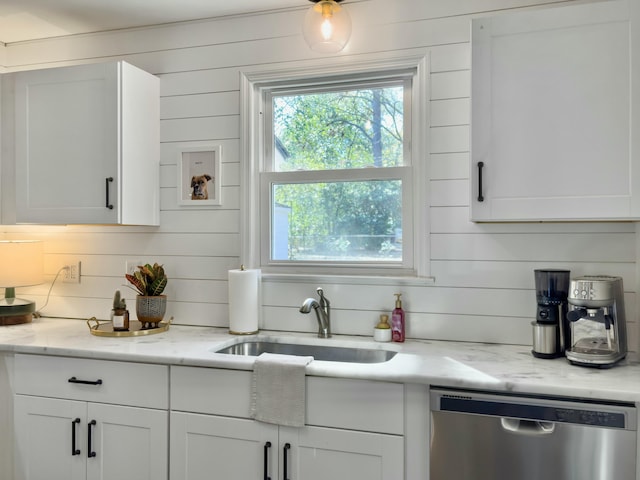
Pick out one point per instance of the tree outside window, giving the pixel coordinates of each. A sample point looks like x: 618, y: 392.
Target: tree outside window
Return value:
x: 339, y: 153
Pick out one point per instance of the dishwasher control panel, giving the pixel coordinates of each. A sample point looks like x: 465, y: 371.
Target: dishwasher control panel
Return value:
x: 545, y: 409
x: 589, y: 417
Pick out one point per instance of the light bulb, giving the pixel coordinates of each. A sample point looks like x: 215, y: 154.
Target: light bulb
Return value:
x: 327, y: 27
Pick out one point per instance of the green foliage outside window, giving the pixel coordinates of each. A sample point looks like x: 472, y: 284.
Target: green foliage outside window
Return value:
x: 355, y: 129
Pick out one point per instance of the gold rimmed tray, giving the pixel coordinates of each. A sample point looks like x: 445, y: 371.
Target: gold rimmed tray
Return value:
x: 104, y: 328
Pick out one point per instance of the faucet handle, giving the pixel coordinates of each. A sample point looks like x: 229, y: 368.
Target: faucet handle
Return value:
x: 324, y: 301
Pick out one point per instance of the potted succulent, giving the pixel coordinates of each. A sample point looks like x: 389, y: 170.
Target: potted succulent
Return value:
x: 119, y: 313
x: 149, y: 282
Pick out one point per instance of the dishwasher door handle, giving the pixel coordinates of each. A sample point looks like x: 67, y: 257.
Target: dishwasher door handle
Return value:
x: 527, y: 427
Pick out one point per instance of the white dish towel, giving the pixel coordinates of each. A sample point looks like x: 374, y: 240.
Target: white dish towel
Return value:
x: 278, y: 390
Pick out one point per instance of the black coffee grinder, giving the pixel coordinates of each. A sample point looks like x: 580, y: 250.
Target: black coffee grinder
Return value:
x: 551, y: 330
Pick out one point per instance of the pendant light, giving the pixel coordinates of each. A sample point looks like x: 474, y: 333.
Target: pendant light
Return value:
x: 327, y: 26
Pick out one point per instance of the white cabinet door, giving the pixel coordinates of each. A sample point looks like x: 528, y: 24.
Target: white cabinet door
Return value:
x: 317, y: 453
x: 73, y: 440
x: 209, y: 446
x: 87, y: 145
x: 45, y: 430
x: 341, y: 443
x: 205, y: 447
x: 553, y: 115
x: 129, y: 443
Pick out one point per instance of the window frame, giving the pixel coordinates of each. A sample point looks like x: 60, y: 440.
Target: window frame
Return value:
x: 269, y: 176
x: 257, y: 147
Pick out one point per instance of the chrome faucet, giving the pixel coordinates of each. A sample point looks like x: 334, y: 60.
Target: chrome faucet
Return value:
x: 323, y: 312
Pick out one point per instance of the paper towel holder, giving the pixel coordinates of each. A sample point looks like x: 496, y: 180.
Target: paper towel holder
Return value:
x: 244, y: 301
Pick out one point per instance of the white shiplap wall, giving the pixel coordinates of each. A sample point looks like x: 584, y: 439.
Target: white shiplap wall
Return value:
x: 483, y: 288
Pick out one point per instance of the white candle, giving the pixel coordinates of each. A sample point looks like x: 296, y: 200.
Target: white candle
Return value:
x: 244, y: 301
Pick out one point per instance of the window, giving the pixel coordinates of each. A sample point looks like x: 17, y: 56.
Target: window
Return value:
x: 334, y: 171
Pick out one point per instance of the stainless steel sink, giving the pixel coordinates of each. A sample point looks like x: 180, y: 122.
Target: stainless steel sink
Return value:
x: 318, y: 352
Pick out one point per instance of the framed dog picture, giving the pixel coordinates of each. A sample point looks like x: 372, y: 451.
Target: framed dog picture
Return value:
x: 200, y: 176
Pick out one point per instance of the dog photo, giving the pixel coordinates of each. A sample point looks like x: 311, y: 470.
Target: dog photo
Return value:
x: 199, y: 190
x: 199, y: 176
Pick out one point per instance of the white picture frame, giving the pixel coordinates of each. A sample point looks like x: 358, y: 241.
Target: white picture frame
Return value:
x: 200, y: 176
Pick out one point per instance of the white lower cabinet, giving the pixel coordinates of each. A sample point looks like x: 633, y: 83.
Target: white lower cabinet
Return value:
x: 319, y: 453
x: 210, y: 446
x: 68, y: 440
x: 64, y: 432
x: 77, y: 419
x: 211, y: 436
x: 44, y: 444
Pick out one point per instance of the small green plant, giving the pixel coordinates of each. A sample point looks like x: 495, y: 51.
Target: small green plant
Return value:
x: 119, y: 303
x: 148, y: 280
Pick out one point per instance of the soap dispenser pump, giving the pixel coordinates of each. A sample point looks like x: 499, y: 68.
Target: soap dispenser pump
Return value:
x: 382, y: 332
x: 397, y: 320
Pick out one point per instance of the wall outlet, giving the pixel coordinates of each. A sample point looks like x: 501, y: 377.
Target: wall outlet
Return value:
x: 132, y: 266
x: 71, y: 272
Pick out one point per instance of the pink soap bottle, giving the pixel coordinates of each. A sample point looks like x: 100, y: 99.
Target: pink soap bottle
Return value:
x: 397, y: 321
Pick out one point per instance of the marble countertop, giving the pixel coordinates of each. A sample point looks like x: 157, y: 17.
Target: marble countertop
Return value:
x: 450, y: 364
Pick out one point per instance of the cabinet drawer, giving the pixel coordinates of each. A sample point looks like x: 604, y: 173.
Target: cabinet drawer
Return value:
x: 331, y: 402
x: 210, y: 390
x: 122, y: 383
x: 355, y: 404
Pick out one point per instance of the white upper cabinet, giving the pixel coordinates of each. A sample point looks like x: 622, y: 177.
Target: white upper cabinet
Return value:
x: 87, y: 145
x: 556, y: 114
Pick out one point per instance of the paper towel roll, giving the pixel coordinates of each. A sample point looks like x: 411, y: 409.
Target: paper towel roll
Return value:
x: 244, y: 301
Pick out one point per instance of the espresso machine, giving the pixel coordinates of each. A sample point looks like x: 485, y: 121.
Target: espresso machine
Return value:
x: 550, y: 330
x: 598, y: 328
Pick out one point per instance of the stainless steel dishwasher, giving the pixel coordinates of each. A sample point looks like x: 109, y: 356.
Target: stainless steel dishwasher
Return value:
x: 481, y: 436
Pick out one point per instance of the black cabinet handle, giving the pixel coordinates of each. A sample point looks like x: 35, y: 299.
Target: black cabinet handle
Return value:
x: 85, y: 382
x: 74, y: 450
x: 285, y: 450
x: 480, y: 197
x: 90, y: 452
x: 106, y: 186
x: 267, y: 446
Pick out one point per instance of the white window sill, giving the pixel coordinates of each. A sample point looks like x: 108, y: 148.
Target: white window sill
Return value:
x: 346, y: 279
